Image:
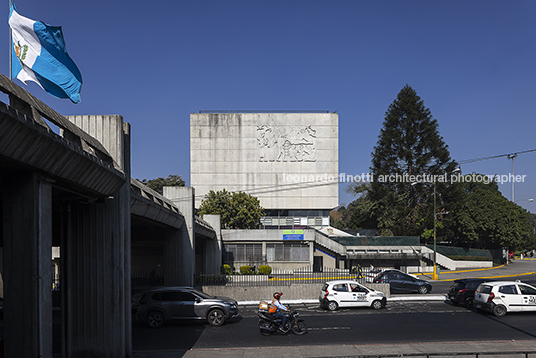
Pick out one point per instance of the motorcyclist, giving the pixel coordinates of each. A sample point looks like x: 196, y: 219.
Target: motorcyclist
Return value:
x: 277, y: 308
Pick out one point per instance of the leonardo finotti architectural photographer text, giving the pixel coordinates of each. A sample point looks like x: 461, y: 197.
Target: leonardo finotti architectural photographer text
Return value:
x: 403, y: 178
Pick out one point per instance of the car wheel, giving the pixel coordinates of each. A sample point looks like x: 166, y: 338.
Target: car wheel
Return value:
x: 468, y: 302
x: 377, y: 305
x: 155, y: 319
x: 499, y: 310
x: 215, y: 317
x: 423, y: 290
x: 332, y: 306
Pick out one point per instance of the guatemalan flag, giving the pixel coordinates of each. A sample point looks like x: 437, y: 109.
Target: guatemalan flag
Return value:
x: 38, y: 54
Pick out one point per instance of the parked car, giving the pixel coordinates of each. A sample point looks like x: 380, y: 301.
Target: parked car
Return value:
x: 402, y: 282
x: 505, y: 296
x: 463, y: 290
x: 347, y: 293
x: 370, y: 276
x: 156, y: 306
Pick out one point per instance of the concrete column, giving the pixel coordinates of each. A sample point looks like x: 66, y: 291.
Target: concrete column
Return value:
x: 213, y: 248
x: 27, y: 232
x: 96, y: 260
x: 184, y: 199
x: 172, y: 257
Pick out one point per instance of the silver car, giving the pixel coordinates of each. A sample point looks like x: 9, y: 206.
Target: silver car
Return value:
x: 156, y: 306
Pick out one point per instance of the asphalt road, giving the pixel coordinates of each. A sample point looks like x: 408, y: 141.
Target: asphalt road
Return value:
x: 399, y: 322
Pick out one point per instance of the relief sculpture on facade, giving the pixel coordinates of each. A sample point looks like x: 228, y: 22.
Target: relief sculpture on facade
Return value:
x: 286, y: 144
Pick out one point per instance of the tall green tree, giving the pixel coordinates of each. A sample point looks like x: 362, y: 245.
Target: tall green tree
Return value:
x: 486, y: 219
x: 409, y: 146
x: 158, y: 184
x: 238, y: 210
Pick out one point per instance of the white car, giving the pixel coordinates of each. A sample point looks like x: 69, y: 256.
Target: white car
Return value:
x: 347, y: 293
x: 505, y: 296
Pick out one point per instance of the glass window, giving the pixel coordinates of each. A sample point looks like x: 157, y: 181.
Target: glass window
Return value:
x: 484, y: 289
x: 171, y: 296
x: 508, y: 289
x: 188, y: 296
x: 527, y: 290
x: 356, y: 288
x: 156, y: 297
x: 243, y: 253
x: 287, y: 252
x: 342, y: 287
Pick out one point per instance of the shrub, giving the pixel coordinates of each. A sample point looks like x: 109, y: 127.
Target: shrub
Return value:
x: 226, y: 269
x: 265, y: 270
x: 245, y: 270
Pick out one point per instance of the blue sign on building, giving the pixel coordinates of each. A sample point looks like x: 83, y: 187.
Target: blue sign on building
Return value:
x: 292, y: 234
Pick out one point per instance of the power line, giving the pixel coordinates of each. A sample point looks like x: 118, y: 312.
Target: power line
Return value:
x: 469, y: 161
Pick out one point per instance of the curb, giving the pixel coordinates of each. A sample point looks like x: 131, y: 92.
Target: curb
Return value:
x: 391, y: 299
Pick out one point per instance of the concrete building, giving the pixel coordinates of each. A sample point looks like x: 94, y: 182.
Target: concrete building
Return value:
x: 289, y: 161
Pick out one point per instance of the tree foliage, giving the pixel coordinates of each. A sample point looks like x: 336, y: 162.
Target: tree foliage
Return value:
x: 409, y: 145
x: 469, y: 213
x: 238, y: 210
x: 486, y: 219
x: 158, y: 184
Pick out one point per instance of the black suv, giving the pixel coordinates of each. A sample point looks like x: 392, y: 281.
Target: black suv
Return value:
x: 463, y: 290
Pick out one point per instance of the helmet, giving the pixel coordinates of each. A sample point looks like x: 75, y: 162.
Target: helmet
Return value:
x: 278, y: 295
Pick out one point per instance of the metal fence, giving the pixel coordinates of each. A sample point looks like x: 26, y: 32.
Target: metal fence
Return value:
x: 144, y: 280
x: 285, y: 277
x: 516, y: 354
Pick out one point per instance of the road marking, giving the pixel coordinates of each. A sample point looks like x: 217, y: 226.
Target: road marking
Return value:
x: 327, y: 328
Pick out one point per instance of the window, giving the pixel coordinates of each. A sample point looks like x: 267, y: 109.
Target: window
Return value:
x: 509, y: 289
x: 341, y: 287
x: 287, y: 252
x: 188, y: 296
x: 484, y: 289
x: 527, y: 290
x: 171, y: 296
x: 356, y: 288
x: 243, y: 253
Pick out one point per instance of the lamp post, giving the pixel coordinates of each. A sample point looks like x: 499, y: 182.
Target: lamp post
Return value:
x: 531, y: 200
x: 434, y: 273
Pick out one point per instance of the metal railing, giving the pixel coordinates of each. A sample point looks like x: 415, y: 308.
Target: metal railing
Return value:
x: 144, y: 280
x: 308, y: 274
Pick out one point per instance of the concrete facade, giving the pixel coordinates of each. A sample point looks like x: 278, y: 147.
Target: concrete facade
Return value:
x: 286, y: 160
x: 269, y: 242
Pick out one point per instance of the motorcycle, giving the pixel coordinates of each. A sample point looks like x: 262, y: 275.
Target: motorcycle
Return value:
x: 268, y: 324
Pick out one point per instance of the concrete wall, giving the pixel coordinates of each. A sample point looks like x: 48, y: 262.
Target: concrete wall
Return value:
x: 295, y: 291
x: 273, y: 156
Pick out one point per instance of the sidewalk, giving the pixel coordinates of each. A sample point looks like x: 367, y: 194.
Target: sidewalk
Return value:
x: 482, y: 348
x: 503, y: 272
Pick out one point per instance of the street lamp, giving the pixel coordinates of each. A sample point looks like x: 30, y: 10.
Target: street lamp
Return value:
x: 434, y: 274
x: 531, y: 200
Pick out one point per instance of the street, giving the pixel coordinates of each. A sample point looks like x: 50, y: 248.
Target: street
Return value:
x: 407, y: 319
x: 399, y: 322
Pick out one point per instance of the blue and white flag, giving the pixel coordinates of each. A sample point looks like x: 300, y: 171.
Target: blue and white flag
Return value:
x: 39, y: 55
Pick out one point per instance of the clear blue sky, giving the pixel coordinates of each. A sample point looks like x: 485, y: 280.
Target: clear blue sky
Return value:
x: 155, y: 62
